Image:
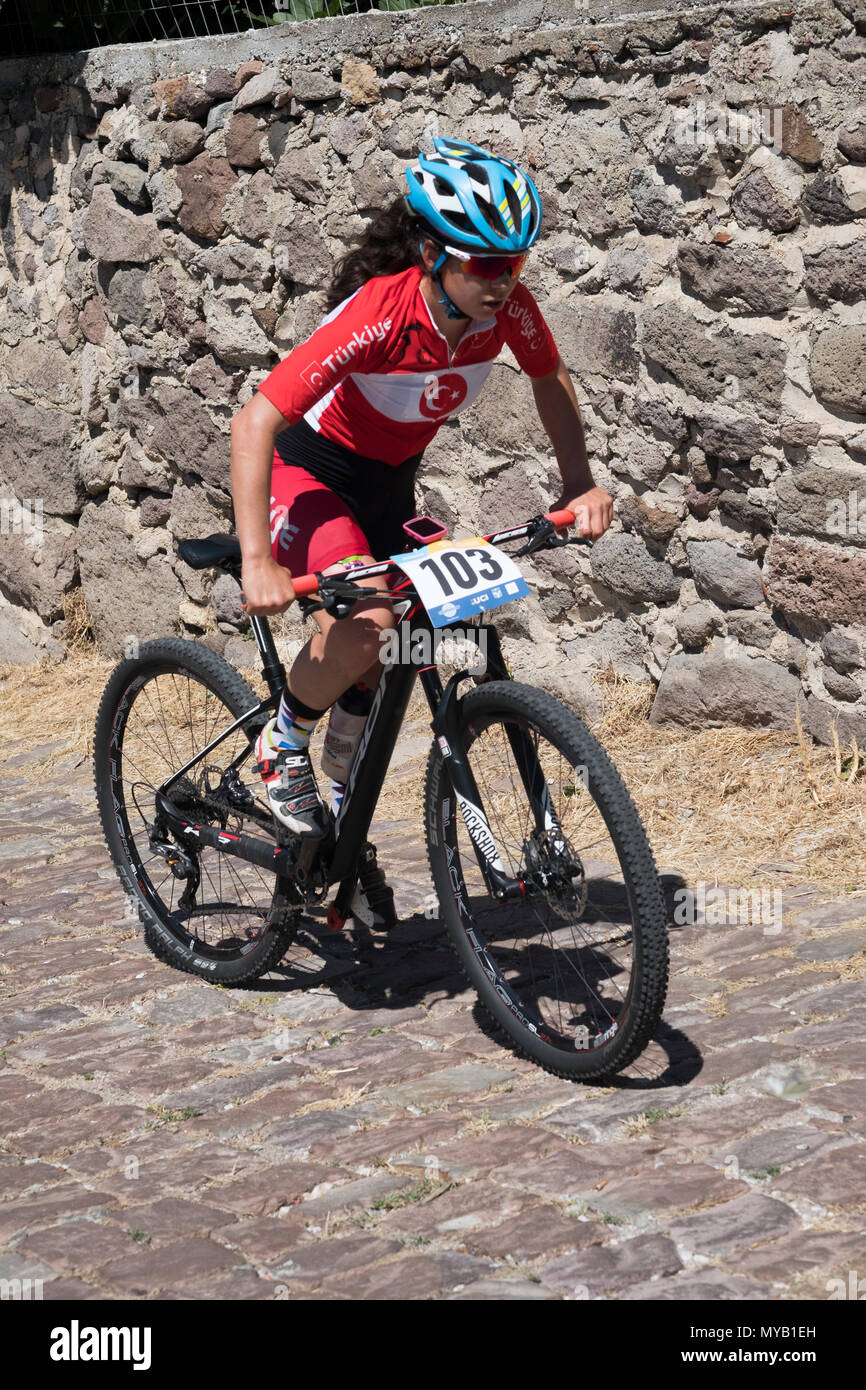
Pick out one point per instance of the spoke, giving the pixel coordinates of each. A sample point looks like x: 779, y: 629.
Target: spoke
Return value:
x: 568, y: 966
x: 592, y: 844
x: 160, y: 717
x: 168, y: 717
x: 139, y: 770
x: 144, y: 734
x: 216, y: 892
x: 179, y: 699
x: 235, y: 876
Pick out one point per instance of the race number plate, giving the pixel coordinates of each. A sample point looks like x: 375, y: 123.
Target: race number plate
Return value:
x: 456, y: 579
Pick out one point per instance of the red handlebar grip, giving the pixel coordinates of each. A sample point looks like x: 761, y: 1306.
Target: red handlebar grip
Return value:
x: 563, y: 518
x: 305, y: 584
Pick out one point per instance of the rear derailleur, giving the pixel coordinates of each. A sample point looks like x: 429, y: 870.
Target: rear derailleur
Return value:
x: 183, y: 866
x: 212, y: 804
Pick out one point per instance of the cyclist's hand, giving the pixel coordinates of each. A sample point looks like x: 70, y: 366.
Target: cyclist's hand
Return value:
x: 266, y: 588
x: 593, y: 512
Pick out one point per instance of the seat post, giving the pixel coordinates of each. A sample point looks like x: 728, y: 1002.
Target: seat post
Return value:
x: 273, y: 669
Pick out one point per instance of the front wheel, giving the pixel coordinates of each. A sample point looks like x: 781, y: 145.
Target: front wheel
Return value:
x: 575, y: 972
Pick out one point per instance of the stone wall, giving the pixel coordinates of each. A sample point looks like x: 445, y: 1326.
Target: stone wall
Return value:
x: 169, y: 214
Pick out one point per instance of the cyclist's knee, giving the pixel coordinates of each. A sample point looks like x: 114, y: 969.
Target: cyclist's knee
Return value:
x: 360, y: 635
x: 362, y: 629
x: 370, y: 625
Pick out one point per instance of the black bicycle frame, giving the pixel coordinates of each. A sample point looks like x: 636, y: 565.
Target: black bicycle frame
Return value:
x: 335, y: 858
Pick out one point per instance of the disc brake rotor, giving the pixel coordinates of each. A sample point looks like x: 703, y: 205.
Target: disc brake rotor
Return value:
x: 557, y: 870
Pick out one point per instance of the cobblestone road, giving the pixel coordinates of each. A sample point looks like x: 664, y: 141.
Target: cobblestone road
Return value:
x: 348, y: 1131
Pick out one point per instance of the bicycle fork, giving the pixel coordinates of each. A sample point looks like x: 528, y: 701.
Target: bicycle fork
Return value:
x: 447, y: 733
x: 446, y: 729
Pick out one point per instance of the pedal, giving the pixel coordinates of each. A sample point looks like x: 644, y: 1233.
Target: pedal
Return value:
x: 335, y: 921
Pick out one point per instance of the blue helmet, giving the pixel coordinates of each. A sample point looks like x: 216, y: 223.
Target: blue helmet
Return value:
x: 474, y: 200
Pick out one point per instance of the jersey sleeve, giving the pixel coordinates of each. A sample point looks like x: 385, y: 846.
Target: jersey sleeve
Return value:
x: 527, y: 334
x: 351, y: 339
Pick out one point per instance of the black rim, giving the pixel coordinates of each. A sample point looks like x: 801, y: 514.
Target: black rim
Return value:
x: 235, y: 902
x: 565, y: 960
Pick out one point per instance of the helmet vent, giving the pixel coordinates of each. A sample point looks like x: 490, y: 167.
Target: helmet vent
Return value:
x: 491, y: 217
x: 513, y: 204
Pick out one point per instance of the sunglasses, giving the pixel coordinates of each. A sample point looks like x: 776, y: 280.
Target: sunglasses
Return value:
x: 491, y: 267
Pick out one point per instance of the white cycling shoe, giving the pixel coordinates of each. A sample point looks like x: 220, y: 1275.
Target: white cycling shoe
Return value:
x: 290, y: 782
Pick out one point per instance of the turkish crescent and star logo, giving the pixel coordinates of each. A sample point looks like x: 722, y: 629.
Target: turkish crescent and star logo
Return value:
x: 314, y: 376
x: 442, y: 394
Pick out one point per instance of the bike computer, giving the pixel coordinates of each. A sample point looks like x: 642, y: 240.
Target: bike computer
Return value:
x: 425, y: 529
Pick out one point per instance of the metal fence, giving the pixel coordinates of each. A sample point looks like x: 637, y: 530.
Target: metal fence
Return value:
x: 62, y: 26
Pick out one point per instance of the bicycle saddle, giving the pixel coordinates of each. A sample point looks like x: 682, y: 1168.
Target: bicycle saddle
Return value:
x: 213, y: 550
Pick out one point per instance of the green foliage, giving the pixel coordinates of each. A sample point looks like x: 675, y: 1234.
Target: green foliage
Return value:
x: 316, y: 9
x: 44, y: 26
x: 402, y: 1199
x: 852, y: 766
x: 168, y: 1116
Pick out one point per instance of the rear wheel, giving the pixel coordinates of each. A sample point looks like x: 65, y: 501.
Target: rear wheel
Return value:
x: 227, y: 920
x: 575, y: 973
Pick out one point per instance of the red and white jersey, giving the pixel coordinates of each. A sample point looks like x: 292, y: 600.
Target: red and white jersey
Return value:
x: 379, y: 378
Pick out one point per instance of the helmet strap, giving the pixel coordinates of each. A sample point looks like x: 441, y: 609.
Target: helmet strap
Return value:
x: 444, y: 299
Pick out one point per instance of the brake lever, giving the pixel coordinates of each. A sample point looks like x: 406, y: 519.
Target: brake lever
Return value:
x: 543, y: 531
x: 544, y: 538
x: 337, y: 596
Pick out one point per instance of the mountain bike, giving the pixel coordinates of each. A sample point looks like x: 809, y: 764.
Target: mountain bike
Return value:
x: 545, y: 879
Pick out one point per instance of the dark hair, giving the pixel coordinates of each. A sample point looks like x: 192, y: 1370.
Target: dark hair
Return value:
x: 389, y: 246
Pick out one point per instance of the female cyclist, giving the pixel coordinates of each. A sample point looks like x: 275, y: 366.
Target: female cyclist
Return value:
x: 334, y: 435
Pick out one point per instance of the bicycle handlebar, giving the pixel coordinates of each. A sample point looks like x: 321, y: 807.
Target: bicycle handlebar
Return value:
x: 306, y: 584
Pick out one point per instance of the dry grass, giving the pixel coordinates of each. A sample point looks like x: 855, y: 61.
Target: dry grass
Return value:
x: 725, y: 804
x: 46, y: 702
x: 79, y: 624
x: 854, y: 969
x: 720, y: 805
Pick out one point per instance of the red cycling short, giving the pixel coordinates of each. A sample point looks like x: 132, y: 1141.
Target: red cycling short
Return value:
x: 311, y: 527
x: 328, y: 503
